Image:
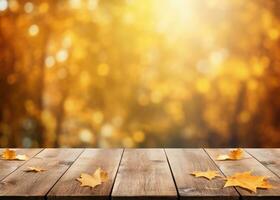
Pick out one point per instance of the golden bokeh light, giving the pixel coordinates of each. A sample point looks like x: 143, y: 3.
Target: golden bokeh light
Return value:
x: 33, y: 30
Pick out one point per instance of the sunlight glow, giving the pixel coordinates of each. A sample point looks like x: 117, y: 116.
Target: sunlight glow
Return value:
x: 28, y: 7
x: 33, y: 30
x: 62, y: 55
x: 50, y: 61
x: 3, y: 5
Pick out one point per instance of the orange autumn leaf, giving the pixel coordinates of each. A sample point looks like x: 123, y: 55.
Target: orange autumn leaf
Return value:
x: 248, y: 181
x: 35, y: 169
x: 9, y: 154
x: 97, y: 178
x: 235, y: 154
x: 209, y: 174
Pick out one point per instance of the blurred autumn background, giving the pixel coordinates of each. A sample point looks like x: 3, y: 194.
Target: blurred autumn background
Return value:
x: 139, y: 73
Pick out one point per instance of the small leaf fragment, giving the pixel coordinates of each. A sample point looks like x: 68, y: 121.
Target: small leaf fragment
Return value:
x: 248, y: 181
x: 235, y: 154
x: 35, y: 169
x: 21, y: 157
x: 103, y: 175
x: 209, y: 174
x: 92, y: 181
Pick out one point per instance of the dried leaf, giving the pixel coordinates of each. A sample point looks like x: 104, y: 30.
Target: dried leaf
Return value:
x: 35, y: 169
x: 209, y: 174
x: 248, y: 181
x: 97, y: 178
x: 21, y: 157
x: 9, y: 154
x: 235, y: 154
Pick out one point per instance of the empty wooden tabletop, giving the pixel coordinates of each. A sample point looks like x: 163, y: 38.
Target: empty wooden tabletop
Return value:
x: 135, y: 174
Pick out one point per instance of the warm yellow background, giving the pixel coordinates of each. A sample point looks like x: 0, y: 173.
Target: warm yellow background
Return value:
x: 147, y: 73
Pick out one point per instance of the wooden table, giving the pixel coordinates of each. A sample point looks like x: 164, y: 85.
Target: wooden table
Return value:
x: 135, y: 174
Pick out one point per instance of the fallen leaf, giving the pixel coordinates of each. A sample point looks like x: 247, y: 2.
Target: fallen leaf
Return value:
x: 35, y: 169
x: 248, y: 181
x: 235, y: 154
x: 9, y: 154
x: 209, y: 174
x: 97, y: 178
x: 21, y: 157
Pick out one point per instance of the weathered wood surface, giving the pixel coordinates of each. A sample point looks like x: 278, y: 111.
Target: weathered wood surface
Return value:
x: 183, y: 162
x: 68, y: 188
x: 135, y: 174
x: 268, y: 157
x: 7, y: 167
x: 145, y: 174
x: 248, y: 163
x: 29, y: 185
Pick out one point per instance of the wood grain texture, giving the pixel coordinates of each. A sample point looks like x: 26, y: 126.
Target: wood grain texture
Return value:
x: 183, y: 162
x: 268, y: 157
x: 248, y: 163
x: 30, y: 185
x: 8, y: 166
x: 69, y: 188
x: 144, y: 174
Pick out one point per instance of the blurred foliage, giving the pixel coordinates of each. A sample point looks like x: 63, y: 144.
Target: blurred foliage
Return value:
x: 139, y: 73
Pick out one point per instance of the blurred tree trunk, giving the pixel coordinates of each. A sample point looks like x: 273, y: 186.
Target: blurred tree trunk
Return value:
x: 59, y: 119
x: 233, y: 127
x: 41, y: 87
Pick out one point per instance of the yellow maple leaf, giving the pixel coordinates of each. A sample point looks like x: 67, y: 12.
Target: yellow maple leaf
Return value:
x: 235, y: 154
x: 247, y: 181
x: 9, y: 154
x: 97, y: 178
x: 35, y: 169
x: 209, y: 174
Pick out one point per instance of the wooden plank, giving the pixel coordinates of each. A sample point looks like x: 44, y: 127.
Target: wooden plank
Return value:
x: 29, y: 185
x: 248, y: 163
x: 268, y: 157
x: 144, y: 174
x: 68, y: 188
x: 183, y: 162
x: 8, y: 166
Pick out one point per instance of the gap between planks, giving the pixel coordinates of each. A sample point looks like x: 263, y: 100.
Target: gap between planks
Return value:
x: 172, y: 174
x: 68, y: 188
x: 110, y: 195
x: 45, y: 197
x: 183, y: 162
x: 21, y: 185
x: 266, y: 160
